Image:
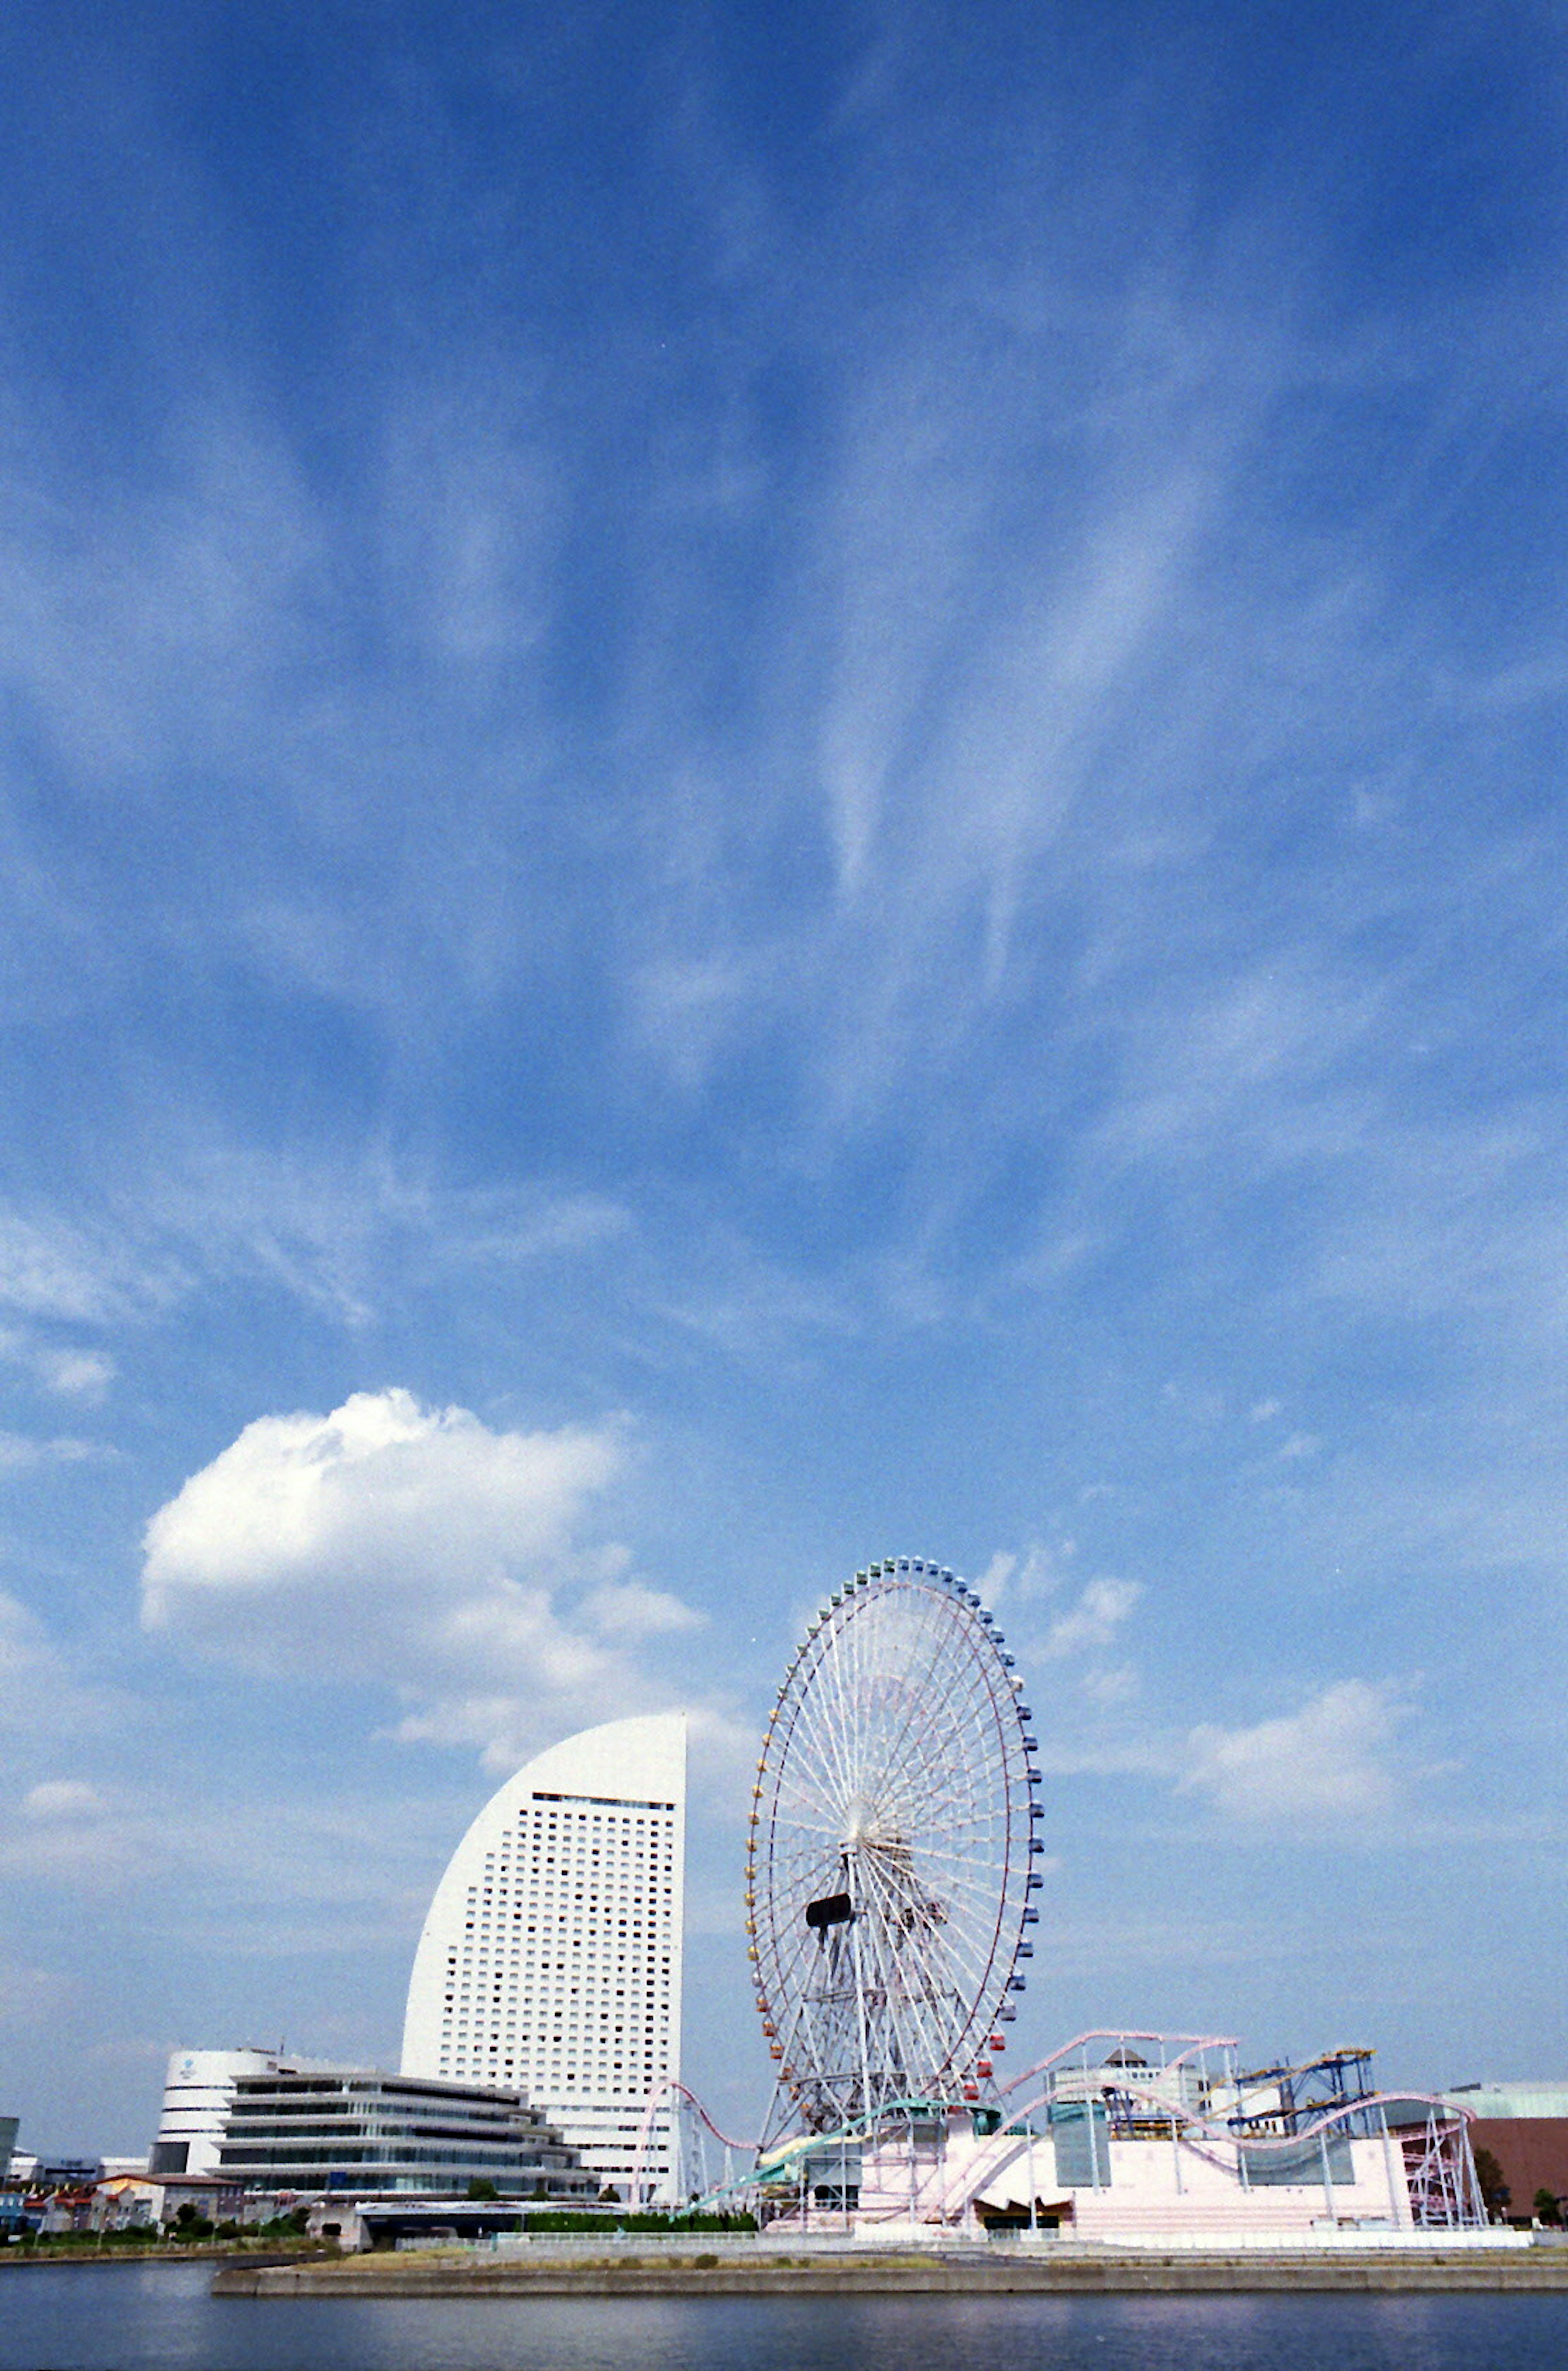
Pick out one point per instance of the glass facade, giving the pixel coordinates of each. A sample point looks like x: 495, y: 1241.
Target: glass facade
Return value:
x: 352, y: 2128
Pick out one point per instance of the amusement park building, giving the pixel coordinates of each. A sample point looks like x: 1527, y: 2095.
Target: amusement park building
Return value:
x: 891, y: 1876
x: 1174, y: 2148
x: 551, y: 1957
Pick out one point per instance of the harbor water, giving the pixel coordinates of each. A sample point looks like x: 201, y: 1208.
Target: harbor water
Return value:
x: 163, y: 2318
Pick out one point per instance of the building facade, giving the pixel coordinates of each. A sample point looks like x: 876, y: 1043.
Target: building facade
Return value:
x: 357, y: 2130
x: 197, y: 2094
x: 1524, y: 2128
x: 551, y: 1957
x: 136, y: 2202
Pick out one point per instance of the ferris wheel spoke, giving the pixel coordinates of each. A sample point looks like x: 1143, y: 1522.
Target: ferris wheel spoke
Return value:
x: 925, y: 1762
x: 813, y: 1773
x: 798, y: 1806
x: 930, y: 1688
x: 918, y: 2008
x: 812, y: 1738
x: 839, y: 1696
x: 967, y: 1706
x: 820, y: 1745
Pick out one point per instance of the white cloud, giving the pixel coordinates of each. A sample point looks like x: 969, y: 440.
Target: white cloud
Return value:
x: 1328, y: 1760
x: 1096, y: 1619
x: 38, y: 1694
x: 48, y: 1268
x: 71, y: 1835
x: 413, y: 1547
x: 62, y: 1798
x: 992, y: 1583
x: 1024, y: 1579
x: 18, y: 1451
x: 24, y: 1652
x: 629, y: 1608
x: 1117, y: 1684
x: 75, y: 1374
x: 258, y: 1874
x: 48, y: 1271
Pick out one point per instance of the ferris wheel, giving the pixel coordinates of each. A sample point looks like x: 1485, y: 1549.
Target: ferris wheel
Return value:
x: 891, y: 1862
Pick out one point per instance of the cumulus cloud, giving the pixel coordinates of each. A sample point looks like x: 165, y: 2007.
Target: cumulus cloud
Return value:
x: 1328, y: 1760
x: 389, y: 1543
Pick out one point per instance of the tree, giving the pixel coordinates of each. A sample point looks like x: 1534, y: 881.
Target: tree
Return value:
x: 1547, y: 2206
x: 482, y: 2188
x: 1495, y: 2194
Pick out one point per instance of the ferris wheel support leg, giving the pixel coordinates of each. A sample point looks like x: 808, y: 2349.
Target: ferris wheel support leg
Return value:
x: 860, y: 2018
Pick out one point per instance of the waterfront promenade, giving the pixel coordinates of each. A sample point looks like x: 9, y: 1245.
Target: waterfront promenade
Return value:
x: 1052, y: 2268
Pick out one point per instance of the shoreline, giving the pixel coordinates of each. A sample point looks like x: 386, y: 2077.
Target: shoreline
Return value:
x: 220, y: 2252
x: 912, y: 2271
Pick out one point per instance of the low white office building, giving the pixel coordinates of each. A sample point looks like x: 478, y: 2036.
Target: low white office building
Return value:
x: 197, y: 2095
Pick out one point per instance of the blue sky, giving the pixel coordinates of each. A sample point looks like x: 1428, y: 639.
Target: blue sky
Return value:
x: 780, y: 783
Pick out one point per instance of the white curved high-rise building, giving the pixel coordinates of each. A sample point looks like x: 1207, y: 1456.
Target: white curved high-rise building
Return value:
x: 551, y: 1957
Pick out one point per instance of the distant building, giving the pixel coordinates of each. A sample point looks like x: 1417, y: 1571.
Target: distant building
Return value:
x: 1525, y: 2128
x: 8, y: 2145
x: 309, y: 2128
x: 1529, y: 2102
x: 551, y: 1957
x: 46, y: 2172
x: 197, y: 2094
x: 136, y: 2202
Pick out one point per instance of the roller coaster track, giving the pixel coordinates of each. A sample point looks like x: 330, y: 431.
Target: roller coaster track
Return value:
x: 663, y: 2096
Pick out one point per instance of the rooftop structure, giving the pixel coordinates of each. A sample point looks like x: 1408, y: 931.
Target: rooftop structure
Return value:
x: 352, y: 2128
x: 1514, y: 2099
x: 551, y: 1957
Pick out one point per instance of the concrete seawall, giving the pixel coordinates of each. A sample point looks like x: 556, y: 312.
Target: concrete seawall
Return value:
x: 947, y: 2272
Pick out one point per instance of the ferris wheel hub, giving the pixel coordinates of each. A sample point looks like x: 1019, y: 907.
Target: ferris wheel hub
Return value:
x: 860, y: 1827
